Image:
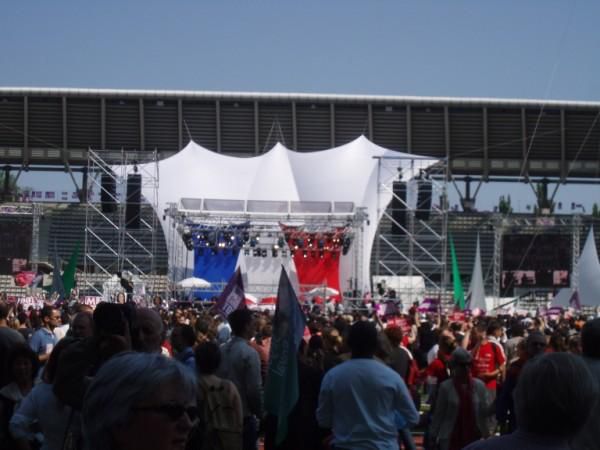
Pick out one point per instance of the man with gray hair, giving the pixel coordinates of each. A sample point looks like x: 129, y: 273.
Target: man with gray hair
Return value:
x: 589, y: 436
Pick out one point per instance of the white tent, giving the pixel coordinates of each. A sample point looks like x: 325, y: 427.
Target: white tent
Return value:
x: 348, y: 173
x: 476, y: 292
x: 588, y: 267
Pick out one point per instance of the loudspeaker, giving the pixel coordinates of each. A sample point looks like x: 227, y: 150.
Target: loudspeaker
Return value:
x: 423, y: 201
x: 108, y: 194
x: 397, y: 207
x: 132, y: 207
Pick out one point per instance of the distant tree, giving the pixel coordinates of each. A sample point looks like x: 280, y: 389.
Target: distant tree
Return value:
x: 504, y: 206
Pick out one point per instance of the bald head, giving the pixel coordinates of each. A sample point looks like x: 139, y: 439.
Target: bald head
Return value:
x: 147, y: 333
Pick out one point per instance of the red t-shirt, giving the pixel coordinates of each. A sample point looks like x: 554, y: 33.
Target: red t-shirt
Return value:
x: 438, y: 370
x: 487, y: 358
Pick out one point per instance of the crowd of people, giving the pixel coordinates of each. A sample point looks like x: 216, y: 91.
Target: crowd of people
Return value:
x: 123, y: 377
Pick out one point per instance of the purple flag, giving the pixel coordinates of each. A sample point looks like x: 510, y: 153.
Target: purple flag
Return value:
x: 232, y: 297
x: 574, y: 301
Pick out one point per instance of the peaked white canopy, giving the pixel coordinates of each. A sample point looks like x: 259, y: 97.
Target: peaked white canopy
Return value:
x: 476, y: 290
x: 348, y: 173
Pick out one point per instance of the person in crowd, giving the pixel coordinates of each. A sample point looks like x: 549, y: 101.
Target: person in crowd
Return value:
x: 183, y: 340
x: 221, y: 406
x: 461, y: 411
x: 43, y: 340
x: 24, y: 326
x: 8, y: 339
x: 553, y: 400
x: 147, y: 332
x: 22, y: 365
x: 223, y: 330
x: 588, y: 437
x: 361, y: 399
x: 489, y: 361
x: 62, y: 329
x: 42, y: 410
x: 140, y: 401
x: 517, y: 333
x: 240, y: 363
x: 398, y: 358
x: 262, y: 344
x: 82, y: 326
x: 81, y: 361
x: 533, y: 346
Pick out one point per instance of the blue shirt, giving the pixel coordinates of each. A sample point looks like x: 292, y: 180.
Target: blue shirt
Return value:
x: 361, y: 400
x: 41, y: 341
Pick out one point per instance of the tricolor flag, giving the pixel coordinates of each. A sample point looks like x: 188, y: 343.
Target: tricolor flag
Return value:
x: 232, y: 297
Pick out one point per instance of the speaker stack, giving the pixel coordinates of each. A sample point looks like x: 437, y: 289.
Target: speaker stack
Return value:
x: 132, y: 206
x: 423, y: 201
x: 398, y: 207
x: 108, y: 194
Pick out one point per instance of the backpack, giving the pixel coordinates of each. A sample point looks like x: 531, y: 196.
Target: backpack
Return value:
x: 220, y: 416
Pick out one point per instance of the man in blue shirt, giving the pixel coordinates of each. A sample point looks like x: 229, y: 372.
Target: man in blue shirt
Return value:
x: 43, y: 340
x: 363, y: 400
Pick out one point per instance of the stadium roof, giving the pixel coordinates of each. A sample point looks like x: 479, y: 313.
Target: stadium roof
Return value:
x: 480, y: 136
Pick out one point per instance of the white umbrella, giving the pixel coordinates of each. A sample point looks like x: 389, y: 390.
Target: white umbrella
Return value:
x: 324, y: 291
x: 193, y: 283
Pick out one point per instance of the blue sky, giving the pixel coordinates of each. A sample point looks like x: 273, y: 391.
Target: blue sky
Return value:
x: 508, y: 49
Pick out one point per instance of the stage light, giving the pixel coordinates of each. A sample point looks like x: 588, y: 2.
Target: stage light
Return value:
x: 264, y: 252
x: 305, y: 254
x: 274, y: 253
x: 321, y: 254
x: 321, y: 243
x: 299, y: 243
x: 246, y: 252
x: 281, y: 242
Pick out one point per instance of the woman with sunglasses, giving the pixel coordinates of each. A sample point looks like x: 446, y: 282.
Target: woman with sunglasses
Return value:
x: 140, y: 401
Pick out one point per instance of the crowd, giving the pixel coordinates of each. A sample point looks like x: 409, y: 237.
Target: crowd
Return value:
x: 123, y: 377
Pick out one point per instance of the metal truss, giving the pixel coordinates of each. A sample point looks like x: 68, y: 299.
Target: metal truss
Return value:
x: 419, y: 247
x: 266, y: 225
x: 534, y: 225
x: 110, y: 245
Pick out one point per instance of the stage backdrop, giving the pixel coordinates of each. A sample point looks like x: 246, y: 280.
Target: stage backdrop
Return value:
x: 214, y: 267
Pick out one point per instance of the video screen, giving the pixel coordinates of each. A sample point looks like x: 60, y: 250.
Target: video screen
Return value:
x: 15, y: 242
x: 542, y: 260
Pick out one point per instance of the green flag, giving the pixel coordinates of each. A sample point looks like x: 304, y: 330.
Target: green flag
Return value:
x: 459, y: 295
x: 68, y: 277
x: 281, y: 389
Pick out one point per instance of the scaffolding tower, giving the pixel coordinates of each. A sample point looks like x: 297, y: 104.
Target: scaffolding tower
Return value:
x: 414, y: 243
x: 114, y: 243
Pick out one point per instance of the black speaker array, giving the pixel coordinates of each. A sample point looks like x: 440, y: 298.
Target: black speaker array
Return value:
x: 397, y: 207
x: 423, y: 201
x: 108, y: 194
x: 132, y: 207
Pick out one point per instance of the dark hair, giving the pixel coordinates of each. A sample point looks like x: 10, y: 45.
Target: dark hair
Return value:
x: 394, y: 334
x: 51, y: 367
x: 109, y: 319
x: 208, y: 358
x: 517, y: 330
x: 555, y: 394
x: 493, y: 326
x: 21, y: 351
x: 362, y: 339
x: 188, y: 335
x: 46, y: 311
x: 239, y: 320
x: 590, y: 339
x: 22, y: 318
x: 3, y: 310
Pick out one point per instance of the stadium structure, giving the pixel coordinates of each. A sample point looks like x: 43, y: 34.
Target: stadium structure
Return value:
x: 543, y: 143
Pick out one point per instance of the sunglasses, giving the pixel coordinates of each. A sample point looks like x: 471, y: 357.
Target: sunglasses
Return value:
x: 173, y: 412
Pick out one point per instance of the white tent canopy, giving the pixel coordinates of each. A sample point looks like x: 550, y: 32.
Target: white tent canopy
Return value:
x: 477, y: 288
x: 348, y: 173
